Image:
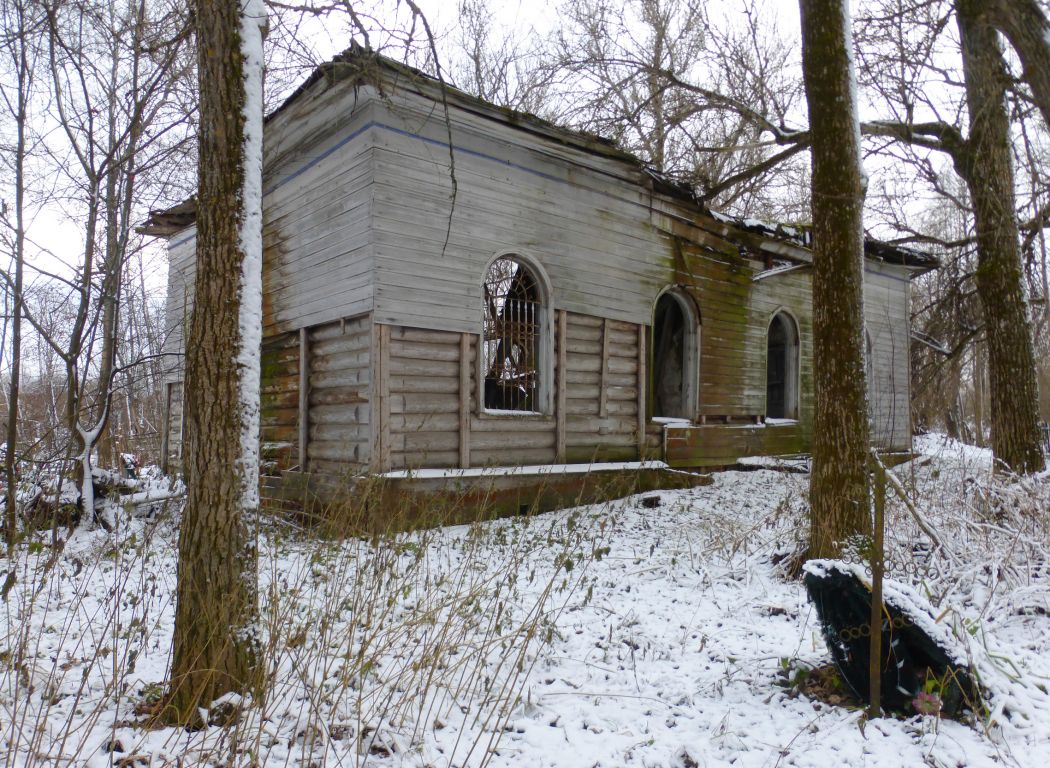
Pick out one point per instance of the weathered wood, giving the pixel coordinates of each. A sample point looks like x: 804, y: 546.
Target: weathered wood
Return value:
x: 400, y: 366
x: 589, y: 407
x: 465, y: 368
x: 165, y: 435
x: 591, y: 394
x: 719, y: 445
x: 412, y: 460
x: 407, y: 350
x: 411, y: 385
x: 342, y: 395
x: 574, y: 377
x: 509, y: 457
x: 603, y: 393
x: 487, y: 441
x: 423, y: 403
x: 419, y: 422
x: 559, y: 407
x: 304, y: 396
x: 427, y: 336
x: 511, y: 424
x: 364, y: 231
x: 340, y: 414
x: 423, y: 442
x: 383, y: 389
x: 641, y: 406
x: 333, y: 432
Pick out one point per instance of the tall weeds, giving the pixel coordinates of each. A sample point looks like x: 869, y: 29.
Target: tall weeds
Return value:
x: 390, y: 644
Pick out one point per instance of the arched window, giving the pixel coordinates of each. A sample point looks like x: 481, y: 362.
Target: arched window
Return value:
x: 782, y: 368
x: 514, y: 337
x: 675, y: 359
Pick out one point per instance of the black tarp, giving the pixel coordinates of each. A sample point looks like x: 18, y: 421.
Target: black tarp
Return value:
x: 910, y: 657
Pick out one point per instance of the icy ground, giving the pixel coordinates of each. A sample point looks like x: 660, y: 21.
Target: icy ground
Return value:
x: 619, y: 635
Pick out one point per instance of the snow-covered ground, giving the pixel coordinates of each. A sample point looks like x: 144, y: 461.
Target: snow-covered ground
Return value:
x: 616, y: 635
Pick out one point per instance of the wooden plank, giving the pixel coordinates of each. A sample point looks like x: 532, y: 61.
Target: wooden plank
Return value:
x: 509, y: 457
x: 464, y: 400
x: 339, y: 414
x: 304, y: 396
x: 375, y: 438
x: 409, y: 385
x: 384, y: 397
x: 414, y: 460
x: 416, y: 422
x: 413, y: 350
x: 603, y: 393
x: 511, y: 424
x: 165, y: 435
x: 487, y: 441
x: 426, y: 336
x: 641, y: 403
x: 429, y: 403
x: 559, y: 407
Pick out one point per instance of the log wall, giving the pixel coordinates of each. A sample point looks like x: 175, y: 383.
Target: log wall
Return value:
x: 339, y: 399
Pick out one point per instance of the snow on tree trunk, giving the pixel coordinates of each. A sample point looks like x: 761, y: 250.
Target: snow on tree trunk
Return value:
x: 986, y: 165
x: 215, y: 639
x: 839, y: 484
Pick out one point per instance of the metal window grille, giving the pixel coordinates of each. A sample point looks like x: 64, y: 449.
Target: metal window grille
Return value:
x: 512, y: 335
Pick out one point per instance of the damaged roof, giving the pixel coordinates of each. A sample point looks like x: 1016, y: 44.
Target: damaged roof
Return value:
x: 365, y: 66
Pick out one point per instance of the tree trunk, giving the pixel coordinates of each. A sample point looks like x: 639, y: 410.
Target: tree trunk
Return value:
x: 20, y: 58
x: 1026, y: 27
x: 215, y: 642
x: 839, y: 485
x: 986, y: 166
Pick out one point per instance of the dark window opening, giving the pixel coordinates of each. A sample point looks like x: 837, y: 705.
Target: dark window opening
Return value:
x: 511, y: 345
x: 672, y: 334
x: 781, y: 369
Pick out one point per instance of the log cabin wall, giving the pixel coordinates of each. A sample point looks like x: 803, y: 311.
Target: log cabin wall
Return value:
x: 435, y: 419
x: 278, y: 410
x: 601, y: 389
x: 339, y: 397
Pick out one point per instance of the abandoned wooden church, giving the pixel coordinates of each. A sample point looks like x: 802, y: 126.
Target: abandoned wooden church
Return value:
x: 486, y: 289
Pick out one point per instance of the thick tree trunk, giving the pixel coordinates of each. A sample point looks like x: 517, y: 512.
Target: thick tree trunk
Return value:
x: 215, y: 642
x: 986, y: 166
x: 1026, y: 27
x: 839, y: 488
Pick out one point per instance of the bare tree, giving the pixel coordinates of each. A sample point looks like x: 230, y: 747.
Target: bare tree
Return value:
x: 987, y: 168
x: 505, y: 68
x: 983, y: 160
x: 112, y: 84
x: 21, y: 21
x: 702, y: 100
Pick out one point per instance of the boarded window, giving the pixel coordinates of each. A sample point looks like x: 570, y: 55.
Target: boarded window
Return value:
x: 513, y: 323
x: 782, y: 368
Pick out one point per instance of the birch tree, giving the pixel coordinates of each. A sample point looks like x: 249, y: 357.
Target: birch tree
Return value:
x: 839, y: 485
x: 215, y: 643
